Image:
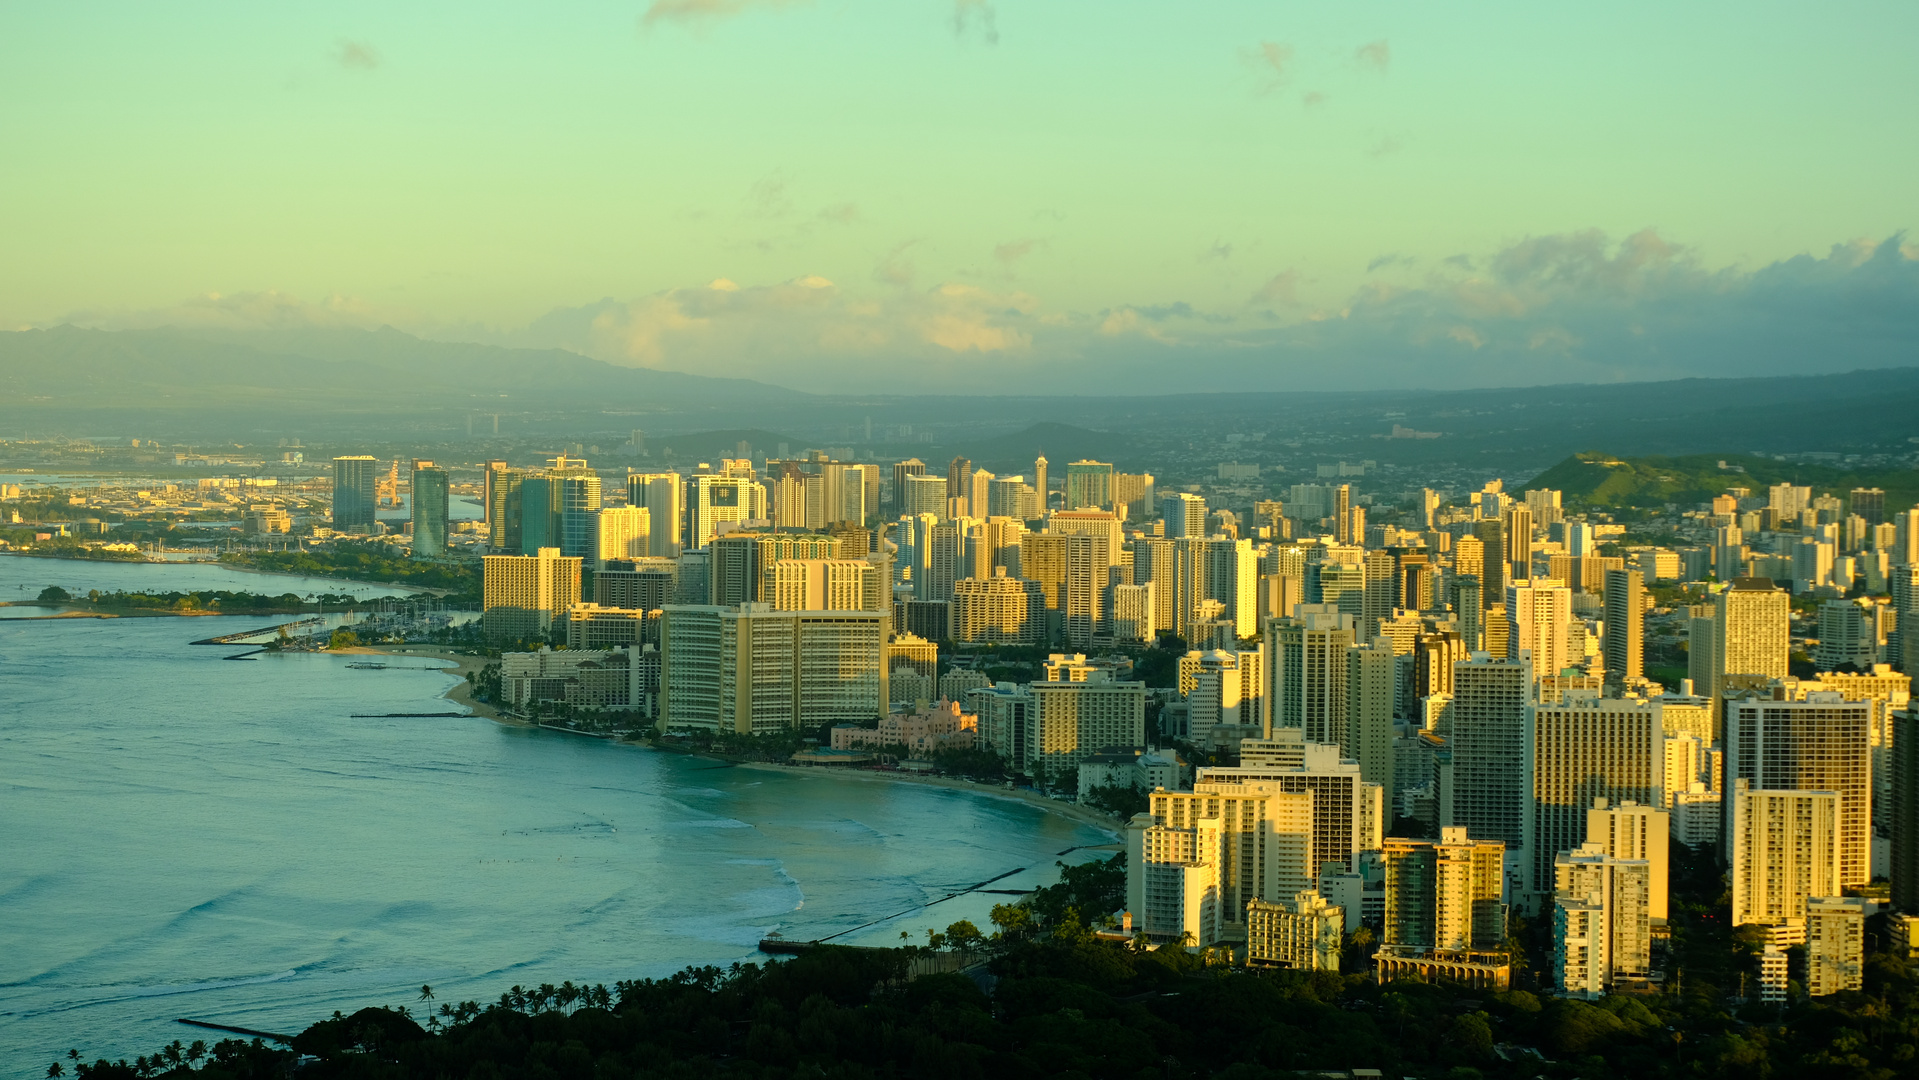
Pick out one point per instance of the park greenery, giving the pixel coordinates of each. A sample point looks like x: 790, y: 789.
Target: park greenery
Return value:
x: 358, y: 561
x: 207, y: 600
x: 1048, y: 995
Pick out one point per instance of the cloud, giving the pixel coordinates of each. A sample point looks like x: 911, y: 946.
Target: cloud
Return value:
x: 768, y: 197
x: 263, y: 310
x: 1274, y: 62
x: 1013, y: 251
x: 840, y: 213
x: 703, y: 11
x: 1220, y: 251
x: 1374, y: 54
x: 976, y: 15
x: 1313, y: 97
x: 1571, y: 307
x: 1281, y: 291
x: 1392, y: 259
x: 356, y: 55
x: 894, y: 268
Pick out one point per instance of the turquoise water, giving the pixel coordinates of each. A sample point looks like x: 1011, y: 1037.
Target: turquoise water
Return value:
x: 189, y: 836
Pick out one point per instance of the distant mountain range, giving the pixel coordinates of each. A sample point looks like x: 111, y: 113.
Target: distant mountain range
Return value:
x: 331, y: 369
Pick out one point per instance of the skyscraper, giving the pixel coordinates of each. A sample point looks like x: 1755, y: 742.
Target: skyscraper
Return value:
x: 1490, y: 792
x: 1372, y: 677
x: 925, y: 495
x: 1820, y: 743
x: 1625, y: 625
x: 902, y: 470
x: 713, y: 501
x: 1040, y: 481
x: 623, y: 533
x: 1089, y: 484
x: 430, y: 510
x: 1306, y: 662
x: 1608, y: 749
x: 1491, y: 533
x: 1785, y: 851
x: 1752, y: 633
x: 1539, y: 614
x: 959, y: 479
x: 757, y: 670
x: 663, y: 496
x: 578, y: 488
x: 503, y: 506
x: 355, y: 486
x: 523, y: 595
x: 1184, y: 514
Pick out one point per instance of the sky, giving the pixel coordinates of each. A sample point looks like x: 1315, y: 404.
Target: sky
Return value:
x: 961, y: 195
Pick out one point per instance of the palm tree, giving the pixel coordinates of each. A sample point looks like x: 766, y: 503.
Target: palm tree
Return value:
x: 426, y: 995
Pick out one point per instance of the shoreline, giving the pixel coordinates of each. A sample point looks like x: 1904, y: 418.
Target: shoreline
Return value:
x: 1074, y: 812
x: 230, y: 566
x: 461, y: 694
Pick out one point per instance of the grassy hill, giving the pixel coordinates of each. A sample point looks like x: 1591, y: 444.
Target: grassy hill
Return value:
x: 1595, y: 479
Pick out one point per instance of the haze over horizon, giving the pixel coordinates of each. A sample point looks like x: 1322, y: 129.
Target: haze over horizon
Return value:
x: 971, y: 197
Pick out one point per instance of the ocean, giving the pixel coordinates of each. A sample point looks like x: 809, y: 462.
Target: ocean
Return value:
x: 248, y: 842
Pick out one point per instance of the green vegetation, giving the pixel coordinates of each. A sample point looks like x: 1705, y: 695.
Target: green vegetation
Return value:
x: 369, y: 562
x: 1601, y: 480
x: 1062, y: 1002
x: 62, y: 547
x: 220, y: 600
x: 1120, y: 800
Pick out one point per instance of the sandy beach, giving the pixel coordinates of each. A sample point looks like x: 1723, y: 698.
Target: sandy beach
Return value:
x: 461, y: 693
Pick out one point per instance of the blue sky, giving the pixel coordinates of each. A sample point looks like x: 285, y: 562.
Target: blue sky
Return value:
x: 919, y: 194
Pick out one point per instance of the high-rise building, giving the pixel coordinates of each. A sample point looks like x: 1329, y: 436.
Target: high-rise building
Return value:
x: 1134, y: 611
x: 1197, y: 859
x: 1089, y: 484
x: 1821, y: 742
x: 925, y: 495
x: 663, y: 496
x: 356, y: 481
x: 1630, y: 830
x: 430, y: 510
x: 979, y: 493
x: 1868, y: 503
x: 1490, y: 790
x: 623, y: 533
x: 1539, y: 612
x: 1372, y: 684
x: 1625, y: 647
x: 1444, y: 913
x: 715, y: 501
x: 998, y: 610
x: 1903, y: 763
x: 902, y: 470
x: 1133, y: 495
x: 1306, y: 659
x: 1184, y: 514
x: 1543, y: 504
x: 1073, y: 720
x: 578, y: 494
x: 523, y: 595
x: 1602, y: 925
x: 1040, y: 480
x: 1835, y: 943
x: 1605, y: 749
x: 754, y: 670
x: 1493, y: 576
x: 1072, y: 573
x: 1785, y: 851
x: 959, y: 478
x: 805, y: 584
x: 1303, y: 933
x: 539, y: 513
x: 503, y: 508
x: 1848, y: 634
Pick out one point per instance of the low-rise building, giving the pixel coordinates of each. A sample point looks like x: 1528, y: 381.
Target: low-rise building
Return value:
x: 1304, y: 932
x: 922, y: 732
x: 584, y: 678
